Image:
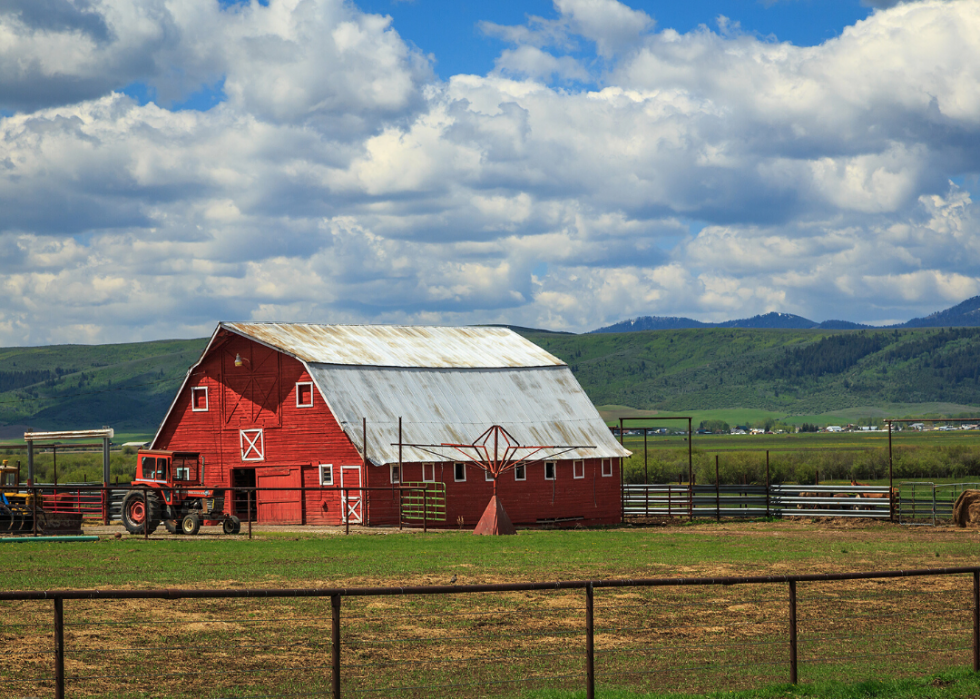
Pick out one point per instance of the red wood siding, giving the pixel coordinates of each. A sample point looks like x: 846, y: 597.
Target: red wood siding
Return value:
x: 595, y: 498
x: 261, y: 394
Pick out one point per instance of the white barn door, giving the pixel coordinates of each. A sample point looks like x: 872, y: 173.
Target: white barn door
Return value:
x: 352, y: 502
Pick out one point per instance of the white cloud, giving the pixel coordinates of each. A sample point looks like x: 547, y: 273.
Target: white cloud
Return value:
x: 340, y: 183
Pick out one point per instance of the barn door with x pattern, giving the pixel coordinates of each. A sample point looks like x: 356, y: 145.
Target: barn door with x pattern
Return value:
x: 352, y: 502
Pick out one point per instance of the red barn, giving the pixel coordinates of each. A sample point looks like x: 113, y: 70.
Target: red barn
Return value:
x: 284, y: 405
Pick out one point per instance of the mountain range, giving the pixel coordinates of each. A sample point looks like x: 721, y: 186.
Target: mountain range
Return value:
x: 962, y: 315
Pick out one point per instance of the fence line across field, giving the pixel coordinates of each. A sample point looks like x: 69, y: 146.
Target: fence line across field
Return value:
x: 621, y: 631
x: 424, y: 502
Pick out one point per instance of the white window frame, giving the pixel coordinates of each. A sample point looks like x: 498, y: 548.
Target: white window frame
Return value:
x: 459, y: 468
x: 194, y: 391
x: 554, y: 470
x: 578, y: 464
x: 487, y: 476
x: 607, y: 466
x: 520, y: 472
x: 304, y: 383
x: 254, y: 450
x: 394, y: 474
x: 432, y: 476
x: 326, y: 469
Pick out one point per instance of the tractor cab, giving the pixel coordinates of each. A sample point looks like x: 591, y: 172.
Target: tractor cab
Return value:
x: 166, y: 468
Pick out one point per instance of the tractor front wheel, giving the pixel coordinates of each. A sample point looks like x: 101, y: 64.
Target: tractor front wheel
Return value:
x: 141, y: 517
x: 231, y: 525
x: 191, y: 524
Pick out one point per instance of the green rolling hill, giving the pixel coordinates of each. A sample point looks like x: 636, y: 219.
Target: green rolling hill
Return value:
x: 786, y: 372
x: 128, y: 386
x: 755, y: 371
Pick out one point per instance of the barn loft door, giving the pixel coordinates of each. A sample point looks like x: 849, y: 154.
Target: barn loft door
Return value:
x: 250, y: 374
x: 352, y: 502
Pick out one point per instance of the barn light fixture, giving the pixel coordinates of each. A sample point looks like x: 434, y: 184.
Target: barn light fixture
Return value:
x: 238, y: 360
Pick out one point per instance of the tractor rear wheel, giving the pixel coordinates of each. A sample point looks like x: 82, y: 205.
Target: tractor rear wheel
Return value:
x: 232, y: 525
x: 191, y: 524
x: 138, y: 516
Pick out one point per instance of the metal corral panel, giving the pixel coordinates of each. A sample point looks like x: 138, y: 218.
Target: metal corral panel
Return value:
x: 399, y: 346
x: 537, y: 406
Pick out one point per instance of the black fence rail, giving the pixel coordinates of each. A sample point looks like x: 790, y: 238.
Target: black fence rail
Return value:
x: 691, y: 634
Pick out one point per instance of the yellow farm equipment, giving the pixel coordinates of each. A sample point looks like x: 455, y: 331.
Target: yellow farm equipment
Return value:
x: 18, y: 509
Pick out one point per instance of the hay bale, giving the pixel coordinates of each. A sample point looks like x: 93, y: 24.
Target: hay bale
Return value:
x: 966, y: 511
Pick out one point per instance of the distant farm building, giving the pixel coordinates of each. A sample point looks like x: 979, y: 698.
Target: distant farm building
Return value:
x: 284, y: 405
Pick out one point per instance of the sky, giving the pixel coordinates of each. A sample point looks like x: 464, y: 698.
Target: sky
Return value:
x: 169, y: 164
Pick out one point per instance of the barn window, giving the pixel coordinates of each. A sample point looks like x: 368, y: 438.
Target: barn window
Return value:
x: 304, y: 395
x: 578, y: 469
x: 607, y: 467
x: 459, y: 472
x: 199, y: 399
x: 396, y: 475
x: 487, y: 476
x: 520, y: 473
x: 428, y: 473
x: 253, y: 445
x: 326, y: 474
x: 550, y: 469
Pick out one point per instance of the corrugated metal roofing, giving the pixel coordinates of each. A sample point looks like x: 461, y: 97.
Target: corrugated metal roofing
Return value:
x: 399, y: 346
x: 536, y: 405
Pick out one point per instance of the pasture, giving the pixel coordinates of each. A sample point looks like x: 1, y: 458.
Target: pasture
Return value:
x: 503, y: 644
x: 807, y: 458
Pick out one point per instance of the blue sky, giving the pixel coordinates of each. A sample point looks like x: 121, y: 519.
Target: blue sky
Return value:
x: 451, y: 30
x: 167, y: 164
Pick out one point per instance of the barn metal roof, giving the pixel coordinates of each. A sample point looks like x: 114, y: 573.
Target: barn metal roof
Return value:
x: 399, y: 346
x: 540, y: 406
x: 447, y: 384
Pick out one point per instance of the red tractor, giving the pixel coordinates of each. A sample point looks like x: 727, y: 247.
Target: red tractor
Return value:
x: 175, y: 494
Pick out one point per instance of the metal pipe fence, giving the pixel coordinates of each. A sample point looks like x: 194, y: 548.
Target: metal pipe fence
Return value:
x: 666, y: 634
x: 755, y: 501
x: 924, y: 503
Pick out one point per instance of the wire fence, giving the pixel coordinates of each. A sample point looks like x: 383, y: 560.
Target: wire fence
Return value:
x: 682, y: 634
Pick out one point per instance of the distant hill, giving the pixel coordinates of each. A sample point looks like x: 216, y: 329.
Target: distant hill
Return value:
x: 127, y: 386
x: 964, y: 315
x: 798, y: 372
x: 773, y: 320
